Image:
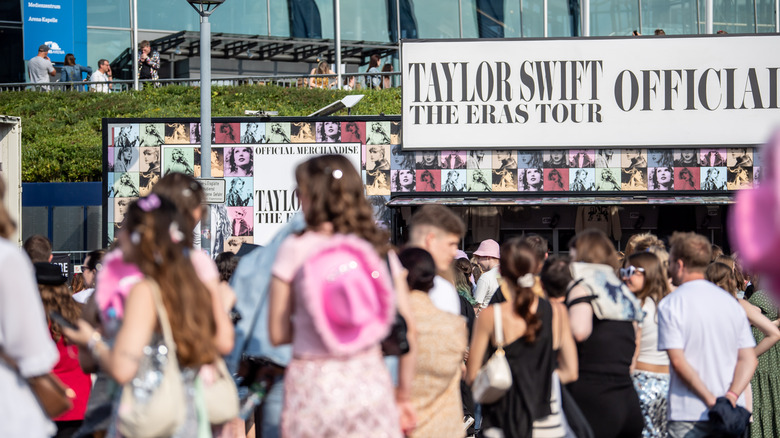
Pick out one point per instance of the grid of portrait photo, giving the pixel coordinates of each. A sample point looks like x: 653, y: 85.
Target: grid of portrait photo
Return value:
x: 139, y: 154
x: 560, y: 170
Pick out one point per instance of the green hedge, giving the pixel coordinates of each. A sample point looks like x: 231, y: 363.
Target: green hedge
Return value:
x: 61, y: 138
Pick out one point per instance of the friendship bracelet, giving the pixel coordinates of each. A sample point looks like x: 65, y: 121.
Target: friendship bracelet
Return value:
x: 732, y: 393
x: 93, y: 342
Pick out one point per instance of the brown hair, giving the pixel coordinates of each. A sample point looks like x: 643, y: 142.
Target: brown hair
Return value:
x: 334, y: 190
x: 462, y: 269
x: 374, y: 61
x: 641, y: 242
x: 38, y: 248
x: 186, y: 298
x: 438, y: 216
x: 186, y: 193
x: 7, y: 225
x: 693, y: 249
x: 593, y: 246
x: 656, y: 287
x: 716, y: 252
x: 144, y: 43
x: 517, y: 259
x: 732, y: 262
x: 69, y: 59
x: 59, y: 299
x: 539, y: 245
x: 723, y: 276
x: 556, y: 276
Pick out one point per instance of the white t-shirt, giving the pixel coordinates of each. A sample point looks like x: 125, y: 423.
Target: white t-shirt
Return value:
x: 83, y: 295
x: 444, y: 296
x: 648, y: 346
x: 710, y: 326
x: 25, y: 337
x: 486, y: 287
x: 99, y: 76
x: 39, y: 70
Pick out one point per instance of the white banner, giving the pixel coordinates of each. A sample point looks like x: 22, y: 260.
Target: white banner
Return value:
x: 275, y: 202
x: 586, y: 92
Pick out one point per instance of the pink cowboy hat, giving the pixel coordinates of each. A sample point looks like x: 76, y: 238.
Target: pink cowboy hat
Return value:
x: 348, y: 293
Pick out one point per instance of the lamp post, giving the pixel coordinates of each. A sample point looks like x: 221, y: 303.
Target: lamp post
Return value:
x: 204, y: 9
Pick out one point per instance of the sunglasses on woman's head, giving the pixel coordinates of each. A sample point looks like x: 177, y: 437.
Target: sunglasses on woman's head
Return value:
x: 630, y: 271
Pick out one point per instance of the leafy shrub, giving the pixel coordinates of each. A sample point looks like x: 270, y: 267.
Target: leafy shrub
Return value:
x: 61, y: 130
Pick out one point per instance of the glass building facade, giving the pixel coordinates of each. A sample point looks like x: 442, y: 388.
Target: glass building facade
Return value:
x: 108, y: 21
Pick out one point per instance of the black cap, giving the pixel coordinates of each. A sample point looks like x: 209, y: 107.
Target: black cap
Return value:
x: 49, y: 273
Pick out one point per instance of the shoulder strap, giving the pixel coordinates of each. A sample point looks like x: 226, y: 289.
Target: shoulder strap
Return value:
x: 557, y: 327
x: 498, y: 326
x: 162, y: 315
x: 579, y: 300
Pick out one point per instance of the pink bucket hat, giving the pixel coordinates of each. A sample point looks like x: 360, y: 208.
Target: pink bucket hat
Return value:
x: 461, y: 255
x: 348, y: 293
x: 488, y: 248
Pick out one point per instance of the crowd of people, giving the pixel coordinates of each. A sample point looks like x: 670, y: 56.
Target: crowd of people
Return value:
x: 329, y: 330
x: 41, y: 70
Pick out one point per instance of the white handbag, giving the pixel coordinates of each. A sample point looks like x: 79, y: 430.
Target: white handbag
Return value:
x: 161, y: 412
x: 495, y: 377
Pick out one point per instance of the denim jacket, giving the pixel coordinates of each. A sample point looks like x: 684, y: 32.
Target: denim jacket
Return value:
x: 251, y: 281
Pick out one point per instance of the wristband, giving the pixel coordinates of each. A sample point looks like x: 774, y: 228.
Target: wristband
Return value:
x: 732, y: 393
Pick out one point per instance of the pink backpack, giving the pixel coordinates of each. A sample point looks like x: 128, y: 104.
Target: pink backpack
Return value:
x: 754, y: 222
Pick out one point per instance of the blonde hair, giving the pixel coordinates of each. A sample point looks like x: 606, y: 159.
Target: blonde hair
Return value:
x: 593, y: 246
x: 642, y: 242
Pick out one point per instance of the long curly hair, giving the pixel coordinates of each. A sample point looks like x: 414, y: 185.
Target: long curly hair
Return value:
x: 162, y: 254
x: 517, y: 259
x: 59, y: 299
x: 338, y: 198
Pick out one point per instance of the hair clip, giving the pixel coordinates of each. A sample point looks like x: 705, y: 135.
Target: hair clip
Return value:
x: 149, y: 203
x: 135, y: 237
x: 526, y: 280
x: 176, y: 235
x: 337, y: 174
x: 187, y: 193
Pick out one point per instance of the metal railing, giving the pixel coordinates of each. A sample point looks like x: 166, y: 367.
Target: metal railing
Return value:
x: 288, y: 81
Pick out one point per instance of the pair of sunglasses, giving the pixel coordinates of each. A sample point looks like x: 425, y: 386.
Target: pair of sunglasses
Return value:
x: 630, y: 271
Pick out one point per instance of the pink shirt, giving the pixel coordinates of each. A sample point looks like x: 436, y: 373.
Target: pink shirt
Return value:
x: 290, y: 257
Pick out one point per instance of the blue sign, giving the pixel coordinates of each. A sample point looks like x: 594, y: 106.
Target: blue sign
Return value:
x: 48, y: 22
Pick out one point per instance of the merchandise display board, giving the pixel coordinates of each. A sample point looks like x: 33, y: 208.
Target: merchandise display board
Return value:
x: 257, y: 158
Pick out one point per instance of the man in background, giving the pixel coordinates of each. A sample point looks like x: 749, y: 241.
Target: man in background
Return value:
x: 103, y: 75
x: 436, y: 229
x: 707, y: 336
x: 38, y: 248
x: 40, y: 69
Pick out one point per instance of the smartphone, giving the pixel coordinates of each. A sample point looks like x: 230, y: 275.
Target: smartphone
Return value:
x: 59, y: 319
